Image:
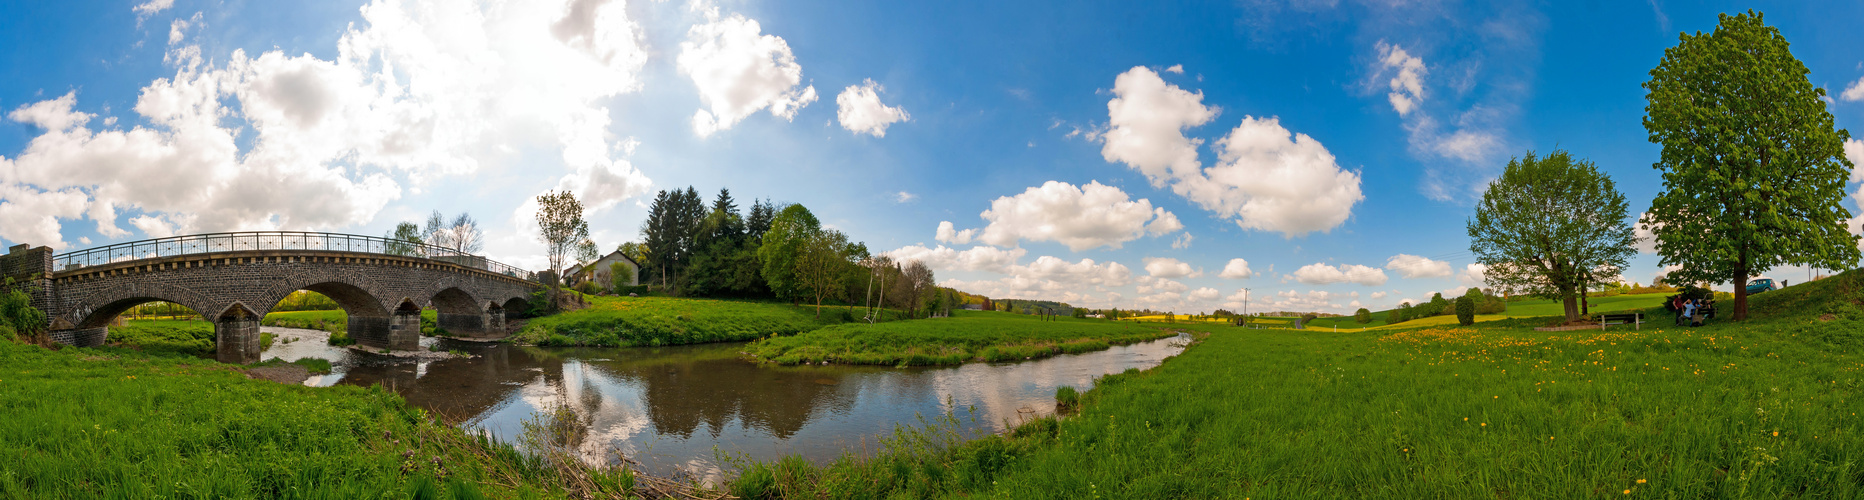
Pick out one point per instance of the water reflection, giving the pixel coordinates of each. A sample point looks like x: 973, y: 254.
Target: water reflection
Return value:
x: 671, y: 407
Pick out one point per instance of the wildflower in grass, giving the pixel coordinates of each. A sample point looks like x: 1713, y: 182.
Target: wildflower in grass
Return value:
x: 1640, y: 481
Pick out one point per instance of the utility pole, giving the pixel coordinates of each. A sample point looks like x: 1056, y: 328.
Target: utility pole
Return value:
x: 1245, y: 301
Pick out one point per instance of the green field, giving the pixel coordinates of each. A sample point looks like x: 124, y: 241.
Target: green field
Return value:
x: 1763, y: 409
x: 966, y: 336
x: 115, y: 423
x: 165, y: 336
x: 657, y: 321
x: 1518, y: 309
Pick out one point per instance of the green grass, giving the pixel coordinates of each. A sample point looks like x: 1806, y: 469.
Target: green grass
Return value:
x: 1544, y: 307
x: 657, y: 321
x: 1762, y: 409
x: 966, y: 336
x: 165, y: 336
x: 115, y: 423
x: 1518, y: 309
x: 316, y: 366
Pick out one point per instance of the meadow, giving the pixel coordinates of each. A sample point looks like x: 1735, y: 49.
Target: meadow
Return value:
x: 117, y: 423
x: 1761, y: 409
x: 1517, y: 309
x: 659, y: 321
x: 963, y: 337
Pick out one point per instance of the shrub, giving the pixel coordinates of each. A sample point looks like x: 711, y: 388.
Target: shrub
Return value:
x: 1067, y: 399
x: 1362, y: 316
x: 1394, y: 316
x: 1466, y: 310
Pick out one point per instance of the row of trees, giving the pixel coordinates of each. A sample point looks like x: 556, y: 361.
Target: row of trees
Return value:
x: 691, y: 248
x: 1754, y: 176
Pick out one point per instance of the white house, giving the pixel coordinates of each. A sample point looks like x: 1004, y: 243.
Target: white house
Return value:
x: 599, y: 270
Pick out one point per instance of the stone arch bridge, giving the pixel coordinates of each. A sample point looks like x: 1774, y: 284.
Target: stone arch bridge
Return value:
x: 234, y: 279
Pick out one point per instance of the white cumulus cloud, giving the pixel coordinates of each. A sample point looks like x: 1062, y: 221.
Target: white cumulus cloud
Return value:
x: 1265, y: 178
x: 1089, y: 216
x: 1407, y: 83
x: 1412, y: 266
x: 152, y: 7
x: 862, y: 113
x: 1165, y: 267
x: 941, y: 258
x: 1473, y: 275
x: 738, y: 71
x: 1326, y: 274
x: 415, y: 91
x: 1237, y: 269
x: 948, y: 234
x: 1854, y: 92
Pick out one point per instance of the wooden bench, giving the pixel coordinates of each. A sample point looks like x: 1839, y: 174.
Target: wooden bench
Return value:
x: 1636, y: 320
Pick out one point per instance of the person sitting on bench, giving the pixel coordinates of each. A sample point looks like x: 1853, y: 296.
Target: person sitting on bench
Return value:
x: 1689, y: 311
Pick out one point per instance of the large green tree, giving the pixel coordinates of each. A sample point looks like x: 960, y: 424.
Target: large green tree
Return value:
x: 789, y: 232
x: 1547, y: 224
x: 1753, y: 168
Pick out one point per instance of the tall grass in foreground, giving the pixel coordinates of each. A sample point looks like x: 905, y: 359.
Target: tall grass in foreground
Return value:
x: 658, y: 321
x: 966, y: 336
x: 92, y: 423
x: 1763, y: 409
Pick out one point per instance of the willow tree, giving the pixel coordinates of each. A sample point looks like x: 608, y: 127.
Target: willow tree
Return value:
x: 1753, y: 169
x: 1548, y: 224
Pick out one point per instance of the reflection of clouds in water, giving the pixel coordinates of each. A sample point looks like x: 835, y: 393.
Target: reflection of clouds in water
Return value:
x: 1001, y: 391
x: 672, y: 409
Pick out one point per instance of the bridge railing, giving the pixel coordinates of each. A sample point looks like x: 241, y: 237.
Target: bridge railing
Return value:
x: 175, y: 246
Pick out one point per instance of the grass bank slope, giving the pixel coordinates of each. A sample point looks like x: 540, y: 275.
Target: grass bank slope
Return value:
x: 1762, y: 409
x: 96, y: 423
x: 966, y: 336
x: 657, y: 321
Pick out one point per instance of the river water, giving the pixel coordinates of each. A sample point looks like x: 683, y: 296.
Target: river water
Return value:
x: 670, y: 408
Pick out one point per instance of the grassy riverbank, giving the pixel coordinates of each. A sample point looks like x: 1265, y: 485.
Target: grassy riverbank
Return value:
x: 658, y: 321
x: 1762, y: 409
x: 966, y: 336
x: 96, y: 423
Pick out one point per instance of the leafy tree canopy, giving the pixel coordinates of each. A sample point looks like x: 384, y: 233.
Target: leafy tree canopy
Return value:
x: 1754, y: 170
x: 1548, y: 224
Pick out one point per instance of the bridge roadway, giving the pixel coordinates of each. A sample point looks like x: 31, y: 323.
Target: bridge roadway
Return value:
x: 234, y: 279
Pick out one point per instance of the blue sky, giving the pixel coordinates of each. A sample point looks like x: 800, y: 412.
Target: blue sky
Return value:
x: 1107, y: 154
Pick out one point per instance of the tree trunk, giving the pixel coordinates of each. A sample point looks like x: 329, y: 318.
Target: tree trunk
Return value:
x: 1741, y: 279
x: 1585, y: 307
x: 1572, y: 309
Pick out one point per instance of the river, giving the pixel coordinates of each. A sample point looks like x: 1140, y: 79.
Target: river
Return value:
x: 670, y: 408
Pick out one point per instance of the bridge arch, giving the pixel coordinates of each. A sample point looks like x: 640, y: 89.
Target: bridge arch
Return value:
x: 97, y: 309
x: 358, y: 295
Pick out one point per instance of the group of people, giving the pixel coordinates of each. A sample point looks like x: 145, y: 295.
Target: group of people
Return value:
x: 1691, y: 310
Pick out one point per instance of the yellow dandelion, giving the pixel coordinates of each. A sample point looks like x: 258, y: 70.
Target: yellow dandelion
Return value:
x: 1640, y: 481
x: 1485, y: 424
x: 1776, y: 433
x: 1627, y: 492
